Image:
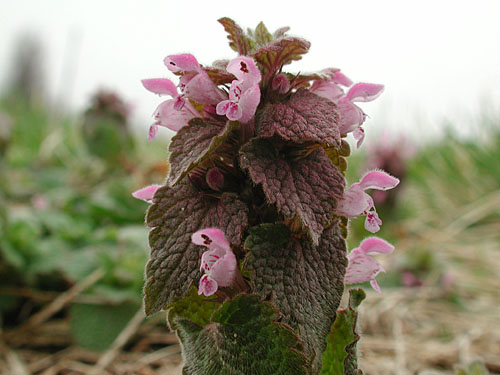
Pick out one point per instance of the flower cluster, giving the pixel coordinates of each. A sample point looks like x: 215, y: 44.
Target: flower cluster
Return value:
x: 196, y: 86
x: 197, y: 95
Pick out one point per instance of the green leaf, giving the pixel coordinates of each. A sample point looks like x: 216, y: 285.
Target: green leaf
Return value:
x: 262, y: 35
x: 304, y: 282
x: 340, y: 357
x: 306, y: 117
x: 238, y: 41
x: 176, y: 213
x: 272, y: 57
x: 306, y: 188
x: 242, y: 338
x: 195, y: 143
x: 195, y: 307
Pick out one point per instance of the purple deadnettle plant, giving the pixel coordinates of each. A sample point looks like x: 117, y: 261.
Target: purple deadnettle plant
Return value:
x: 248, y: 249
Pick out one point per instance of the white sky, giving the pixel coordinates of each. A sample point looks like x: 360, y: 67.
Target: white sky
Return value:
x: 438, y: 59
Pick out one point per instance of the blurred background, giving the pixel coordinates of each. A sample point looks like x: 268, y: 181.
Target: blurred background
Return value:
x: 73, y: 129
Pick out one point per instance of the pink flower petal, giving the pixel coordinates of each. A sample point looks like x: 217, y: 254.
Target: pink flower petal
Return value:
x: 209, y: 258
x: 249, y: 102
x: 379, y: 180
x: 364, y: 92
x: 171, y: 118
x: 359, y: 136
x: 244, y: 69
x: 362, y: 267
x: 153, y: 132
x: 223, y: 271
x: 160, y: 86
x: 202, y: 90
x: 146, y: 193
x: 219, y: 263
x: 181, y: 63
x: 207, y: 286
x: 372, y: 222
x: 354, y: 202
x: 375, y: 245
x: 230, y: 109
x: 341, y: 79
x: 351, y: 116
x: 375, y: 286
x: 212, y: 238
x: 327, y: 89
x: 281, y: 84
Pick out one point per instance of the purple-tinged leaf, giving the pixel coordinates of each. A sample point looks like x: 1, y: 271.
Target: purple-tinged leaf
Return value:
x: 219, y: 75
x: 279, y: 33
x: 304, y: 80
x: 178, y: 212
x: 262, y: 35
x: 272, y: 57
x: 305, y: 282
x: 306, y: 117
x: 305, y: 188
x: 195, y: 143
x: 238, y: 41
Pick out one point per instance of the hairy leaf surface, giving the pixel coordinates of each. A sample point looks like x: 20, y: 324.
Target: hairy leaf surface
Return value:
x: 305, y: 282
x: 304, y: 80
x: 340, y: 357
x: 193, y: 144
x: 271, y: 57
x: 176, y: 213
x: 305, y: 117
x: 219, y: 75
x: 243, y: 338
x: 238, y: 41
x: 195, y: 307
x: 307, y: 187
x: 262, y: 35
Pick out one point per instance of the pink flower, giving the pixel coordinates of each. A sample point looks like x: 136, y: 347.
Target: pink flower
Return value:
x: 218, y: 262
x: 351, y: 116
x: 355, y: 202
x: 341, y: 79
x: 327, y: 89
x: 174, y: 113
x: 195, y: 83
x: 146, y: 193
x: 362, y: 267
x: 244, y: 94
x: 281, y: 83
